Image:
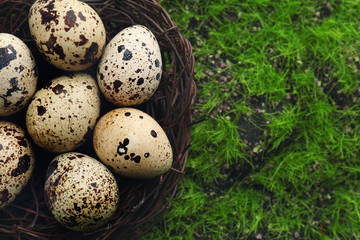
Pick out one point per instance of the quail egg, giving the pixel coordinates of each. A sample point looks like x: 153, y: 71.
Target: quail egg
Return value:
x: 132, y: 143
x: 68, y: 33
x: 130, y: 69
x: 62, y: 115
x: 17, y: 161
x: 18, y: 74
x: 80, y: 191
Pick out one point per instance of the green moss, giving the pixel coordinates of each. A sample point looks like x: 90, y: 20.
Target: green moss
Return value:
x: 275, y: 152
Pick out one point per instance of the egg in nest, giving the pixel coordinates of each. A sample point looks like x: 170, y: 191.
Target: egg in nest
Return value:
x: 68, y: 33
x: 62, y: 115
x: 132, y: 143
x: 18, y: 73
x: 17, y: 160
x: 129, y: 72
x: 80, y: 191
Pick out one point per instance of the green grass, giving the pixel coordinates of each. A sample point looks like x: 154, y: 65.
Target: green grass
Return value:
x: 276, y: 151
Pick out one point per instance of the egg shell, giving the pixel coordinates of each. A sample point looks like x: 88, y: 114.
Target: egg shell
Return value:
x: 68, y: 33
x: 80, y: 191
x: 17, y: 161
x: 18, y: 74
x: 132, y: 143
x: 130, y: 69
x: 62, y: 115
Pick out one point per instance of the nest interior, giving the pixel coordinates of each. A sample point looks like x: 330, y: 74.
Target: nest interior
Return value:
x: 142, y: 202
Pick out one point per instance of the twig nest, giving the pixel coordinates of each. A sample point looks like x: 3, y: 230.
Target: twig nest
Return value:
x: 132, y: 143
x: 68, y: 33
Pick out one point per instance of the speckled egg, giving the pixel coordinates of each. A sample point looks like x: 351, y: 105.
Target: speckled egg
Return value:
x: 129, y: 71
x: 68, y: 33
x: 132, y: 143
x: 18, y: 74
x: 17, y: 161
x: 62, y: 115
x: 80, y: 191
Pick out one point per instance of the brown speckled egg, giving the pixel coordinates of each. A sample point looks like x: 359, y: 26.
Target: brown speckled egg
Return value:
x: 129, y: 71
x: 132, y: 143
x: 62, y: 115
x: 18, y: 74
x: 68, y: 33
x: 17, y: 161
x: 80, y: 191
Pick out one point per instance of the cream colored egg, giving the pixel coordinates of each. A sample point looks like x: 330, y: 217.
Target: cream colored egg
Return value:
x: 62, y: 115
x: 18, y: 74
x: 132, y: 143
x: 68, y: 33
x: 80, y: 191
x: 130, y: 69
x: 17, y: 161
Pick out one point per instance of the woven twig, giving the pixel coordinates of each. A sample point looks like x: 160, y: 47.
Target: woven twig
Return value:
x: 143, y: 202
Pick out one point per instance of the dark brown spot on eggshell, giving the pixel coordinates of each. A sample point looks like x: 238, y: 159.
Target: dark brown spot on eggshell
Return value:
x: 70, y: 20
x: 135, y: 96
x: 90, y: 55
x: 127, y: 55
x: 58, y: 89
x: 122, y: 149
x: 117, y: 85
x: 140, y: 81
x: 77, y: 208
x: 82, y: 42
x: 51, y: 47
x: 48, y: 14
x: 7, y: 54
x: 81, y: 16
x: 136, y: 159
x: 41, y: 110
x: 157, y: 63
x: 22, y: 167
x: 153, y: 133
x: 120, y: 48
x: 21, y: 141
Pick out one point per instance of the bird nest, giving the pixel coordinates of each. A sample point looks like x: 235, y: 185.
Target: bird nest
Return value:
x: 142, y: 202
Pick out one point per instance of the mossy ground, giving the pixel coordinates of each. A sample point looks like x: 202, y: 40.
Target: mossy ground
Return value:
x: 275, y: 152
